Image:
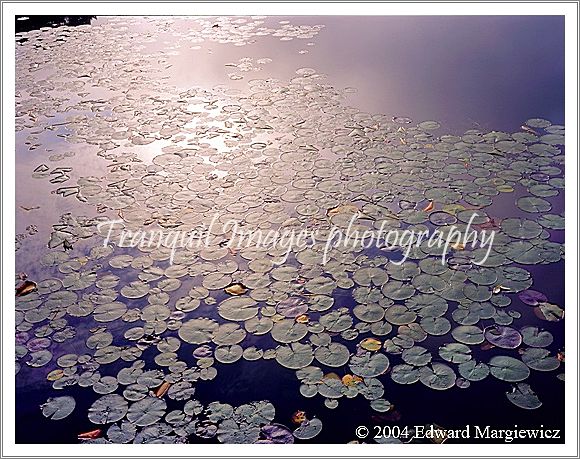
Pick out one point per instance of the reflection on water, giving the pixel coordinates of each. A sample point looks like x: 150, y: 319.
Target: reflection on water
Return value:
x: 172, y: 122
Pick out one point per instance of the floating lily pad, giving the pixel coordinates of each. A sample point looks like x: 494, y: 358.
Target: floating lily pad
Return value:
x: 417, y: 356
x: 276, y: 434
x: 437, y: 376
x: 504, y: 337
x: 549, y: 312
x: 508, y: 369
x: 292, y: 307
x: 532, y: 297
x: 198, y: 331
x: 294, y: 356
x: 58, y: 408
x: 473, y: 371
x: 147, y: 411
x: 308, y: 429
x: 333, y: 355
x: 107, y: 409
x: 524, y: 397
x: 228, y: 354
x: 369, y: 364
x: 468, y: 334
x: 533, y: 336
x: 455, y: 352
x: 238, y: 308
x: 540, y: 359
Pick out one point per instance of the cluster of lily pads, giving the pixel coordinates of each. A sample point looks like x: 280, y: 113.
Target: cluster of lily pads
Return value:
x: 283, y: 154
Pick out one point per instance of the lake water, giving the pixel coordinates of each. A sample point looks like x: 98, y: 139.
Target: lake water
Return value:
x: 167, y: 120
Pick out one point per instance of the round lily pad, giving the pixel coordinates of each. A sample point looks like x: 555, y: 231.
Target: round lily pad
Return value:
x: 294, y: 356
x: 437, y: 376
x: 524, y: 397
x: 468, y: 334
x: 238, y: 308
x: 504, y: 337
x: 508, y: 369
x: 369, y: 364
x: 58, y: 408
x: 540, y: 359
x: 146, y: 412
x: 308, y: 429
x: 198, y: 331
x: 333, y: 355
x: 107, y: 409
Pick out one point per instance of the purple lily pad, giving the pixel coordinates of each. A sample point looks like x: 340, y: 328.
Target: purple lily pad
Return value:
x: 504, y: 337
x: 532, y: 297
x: 292, y: 307
x: 21, y: 338
x: 206, y: 429
x: 37, y: 344
x: 202, y: 351
x: 276, y: 433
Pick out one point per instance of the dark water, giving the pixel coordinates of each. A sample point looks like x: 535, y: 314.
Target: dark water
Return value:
x: 26, y: 23
x: 467, y: 72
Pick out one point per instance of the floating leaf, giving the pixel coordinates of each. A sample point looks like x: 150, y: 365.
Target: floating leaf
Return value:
x: 368, y: 365
x: 504, y: 337
x: 231, y: 432
x: 58, y: 408
x: 371, y: 344
x: 508, y: 369
x: 468, y: 334
x: 308, y: 429
x: 147, y: 411
x: 549, y: 312
x: 228, y: 354
x: 437, y: 376
x: 292, y: 307
x: 276, y: 433
x: 523, y: 396
x: 198, y: 331
x: 238, y: 308
x: 533, y: 336
x: 417, y: 356
x: 294, y: 356
x: 455, y: 352
x: 540, y: 359
x: 289, y: 331
x: 236, y: 289
x: 26, y: 288
x: 532, y: 297
x: 333, y: 355
x: 473, y: 371
x: 107, y: 409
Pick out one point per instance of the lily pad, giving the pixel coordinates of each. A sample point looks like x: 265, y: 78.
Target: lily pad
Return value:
x: 333, y: 355
x: 146, y: 412
x: 508, y: 369
x: 504, y: 337
x: 437, y: 376
x: 308, y: 429
x: 524, y: 397
x: 58, y: 408
x: 369, y: 364
x: 107, y: 409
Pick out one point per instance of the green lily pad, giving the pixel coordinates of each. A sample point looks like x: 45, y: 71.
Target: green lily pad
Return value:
x: 58, y: 408
x: 107, y: 409
x: 369, y: 364
x: 508, y: 369
x: 437, y: 376
x: 333, y: 355
x: 524, y: 397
